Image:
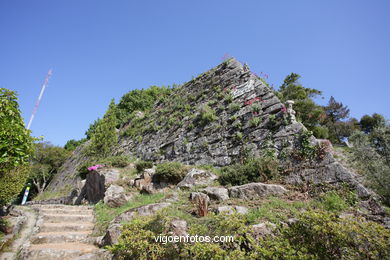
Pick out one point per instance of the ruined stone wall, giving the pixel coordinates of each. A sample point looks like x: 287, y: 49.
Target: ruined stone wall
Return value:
x: 234, y: 94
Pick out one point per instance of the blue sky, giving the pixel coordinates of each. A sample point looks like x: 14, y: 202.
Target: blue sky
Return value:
x: 99, y: 50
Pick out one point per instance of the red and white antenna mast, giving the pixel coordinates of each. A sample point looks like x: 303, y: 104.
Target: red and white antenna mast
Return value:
x: 45, y: 83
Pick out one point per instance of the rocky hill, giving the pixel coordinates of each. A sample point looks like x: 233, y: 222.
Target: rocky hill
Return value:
x: 219, y: 118
x: 219, y: 155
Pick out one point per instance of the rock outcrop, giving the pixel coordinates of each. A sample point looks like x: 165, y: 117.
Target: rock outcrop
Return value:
x: 256, y: 190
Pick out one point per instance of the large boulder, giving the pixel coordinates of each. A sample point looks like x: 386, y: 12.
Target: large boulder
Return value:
x: 115, y: 196
x: 262, y: 229
x: 231, y: 209
x: 96, y: 183
x: 114, y: 229
x: 199, y: 196
x: 178, y: 227
x: 217, y: 193
x: 255, y: 190
x: 196, y: 177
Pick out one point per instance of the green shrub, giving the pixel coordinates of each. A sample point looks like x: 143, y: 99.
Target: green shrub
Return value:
x: 255, y: 121
x: 170, y: 172
x: 119, y: 161
x: 253, y: 170
x: 331, y: 201
x: 12, y: 183
x: 234, y: 107
x: 207, y: 115
x: 256, y: 108
x: 228, y: 98
x: 142, y: 165
x: 326, y: 236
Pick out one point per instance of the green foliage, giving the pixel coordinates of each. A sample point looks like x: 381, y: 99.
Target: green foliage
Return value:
x: 60, y: 193
x: 238, y: 136
x: 92, y: 128
x: 254, y: 121
x: 306, y: 150
x: 206, y: 116
x: 16, y: 144
x: 104, y: 138
x: 140, y: 100
x: 234, y: 107
x: 170, y: 172
x: 324, y: 235
x: 16, y: 147
x: 105, y: 214
x: 371, y: 154
x: 142, y: 165
x: 256, y: 108
x: 331, y: 201
x: 118, y: 161
x: 72, y: 144
x: 369, y: 123
x: 275, y: 210
x: 228, y: 98
x: 45, y: 163
x: 253, y: 170
x: 12, y: 183
x: 321, y: 132
x: 308, y: 112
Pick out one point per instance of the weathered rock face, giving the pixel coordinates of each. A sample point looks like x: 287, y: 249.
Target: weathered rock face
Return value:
x: 231, y: 209
x: 244, y: 107
x: 196, y: 177
x: 94, y: 188
x: 256, y: 190
x: 115, y: 196
x: 217, y: 193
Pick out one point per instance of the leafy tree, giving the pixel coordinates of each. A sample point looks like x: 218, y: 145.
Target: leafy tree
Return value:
x: 368, y: 123
x: 46, y: 162
x: 372, y: 155
x: 72, y: 144
x: 308, y: 112
x: 16, y: 146
x: 104, y: 137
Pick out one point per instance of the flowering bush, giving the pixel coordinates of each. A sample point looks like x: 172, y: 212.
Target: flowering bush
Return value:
x: 95, y: 167
x: 250, y: 101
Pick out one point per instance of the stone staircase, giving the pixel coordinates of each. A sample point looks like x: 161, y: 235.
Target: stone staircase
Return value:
x: 63, y: 232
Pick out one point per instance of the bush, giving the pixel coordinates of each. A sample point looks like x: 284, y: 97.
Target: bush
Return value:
x: 117, y: 161
x: 253, y: 170
x: 142, y: 165
x: 206, y: 116
x: 12, y: 183
x: 234, y: 107
x: 326, y: 236
x: 170, y: 172
x: 255, y: 121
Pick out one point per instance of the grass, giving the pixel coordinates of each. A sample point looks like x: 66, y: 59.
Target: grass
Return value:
x: 64, y: 191
x: 105, y: 214
x: 276, y: 210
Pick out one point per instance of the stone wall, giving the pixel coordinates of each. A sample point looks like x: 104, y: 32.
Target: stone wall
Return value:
x: 241, y: 128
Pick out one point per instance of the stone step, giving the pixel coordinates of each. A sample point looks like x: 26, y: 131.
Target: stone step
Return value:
x: 58, y: 227
x: 60, y: 206
x: 60, y: 237
x: 56, y: 218
x: 57, y: 251
x: 67, y: 211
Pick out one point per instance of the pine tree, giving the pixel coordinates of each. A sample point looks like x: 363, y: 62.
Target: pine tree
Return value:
x: 104, y: 137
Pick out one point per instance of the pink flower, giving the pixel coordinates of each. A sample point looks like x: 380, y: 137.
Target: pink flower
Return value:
x: 95, y: 167
x: 284, y: 109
